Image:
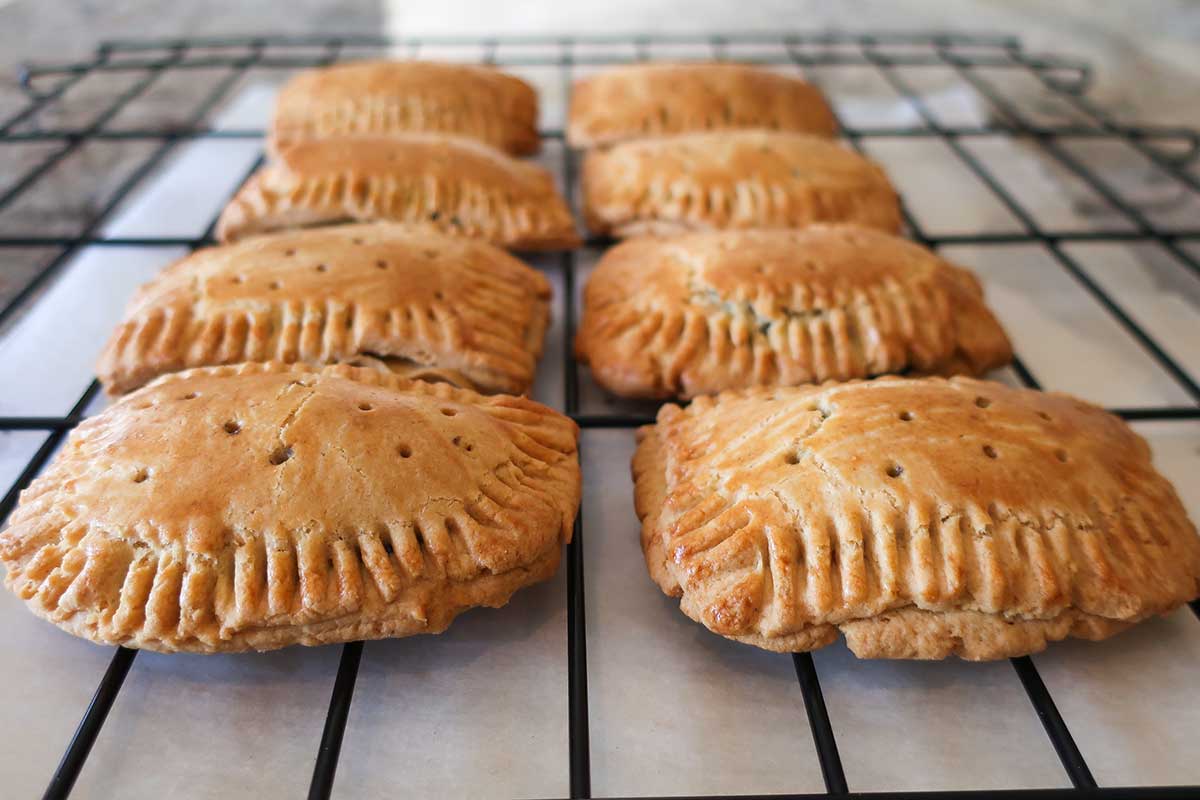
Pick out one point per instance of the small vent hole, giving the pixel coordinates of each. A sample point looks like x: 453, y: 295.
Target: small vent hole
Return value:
x: 281, y: 455
x: 405, y: 451
x: 232, y: 427
x: 895, y: 470
x: 906, y: 416
x: 365, y: 407
x: 449, y: 412
x: 322, y: 268
x: 982, y: 402
x: 141, y: 476
x: 1061, y: 455
x: 990, y: 451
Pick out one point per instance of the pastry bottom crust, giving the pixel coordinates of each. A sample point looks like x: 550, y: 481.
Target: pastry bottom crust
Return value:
x: 432, y: 614
x: 913, y: 633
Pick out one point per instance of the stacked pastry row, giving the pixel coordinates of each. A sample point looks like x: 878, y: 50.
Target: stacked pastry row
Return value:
x: 324, y: 439
x: 319, y: 434
x: 917, y: 517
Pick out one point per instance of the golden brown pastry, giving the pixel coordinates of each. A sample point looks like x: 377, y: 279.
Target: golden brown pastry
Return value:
x: 439, y: 183
x: 641, y: 100
x: 430, y: 306
x: 388, y: 97
x: 733, y: 179
x: 921, y: 518
x: 704, y: 312
x: 265, y: 505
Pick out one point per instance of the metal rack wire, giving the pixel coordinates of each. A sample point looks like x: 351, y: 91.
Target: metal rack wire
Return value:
x: 1169, y: 149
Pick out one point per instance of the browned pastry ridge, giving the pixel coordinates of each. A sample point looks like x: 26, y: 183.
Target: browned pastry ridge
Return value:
x: 921, y: 518
x: 641, y: 100
x: 440, y: 183
x: 265, y: 505
x: 704, y: 312
x: 427, y: 305
x: 388, y: 97
x: 733, y: 179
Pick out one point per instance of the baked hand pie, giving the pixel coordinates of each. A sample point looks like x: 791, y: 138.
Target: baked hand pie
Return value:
x: 644, y: 100
x: 732, y: 179
x: 921, y: 518
x: 423, y: 304
x: 265, y: 505
x: 389, y: 97
x: 440, y: 183
x: 704, y: 312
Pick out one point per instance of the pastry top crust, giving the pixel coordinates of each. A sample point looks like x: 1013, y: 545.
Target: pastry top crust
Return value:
x: 776, y: 510
x: 222, y: 503
x: 442, y: 183
x: 387, y: 97
x: 705, y: 312
x: 641, y: 100
x: 336, y: 294
x: 733, y: 179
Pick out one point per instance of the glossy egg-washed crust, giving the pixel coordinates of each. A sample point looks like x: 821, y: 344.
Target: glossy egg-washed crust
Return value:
x: 921, y: 518
x: 704, y: 312
x: 437, y: 306
x: 733, y: 179
x: 259, y: 506
x: 390, y: 97
x: 643, y: 100
x: 441, y: 183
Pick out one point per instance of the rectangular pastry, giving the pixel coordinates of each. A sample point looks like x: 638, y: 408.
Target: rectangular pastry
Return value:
x: 704, y: 312
x: 433, y: 306
x: 920, y: 518
x: 389, y: 97
x: 440, y: 183
x: 733, y: 179
x: 328, y: 505
x: 644, y: 100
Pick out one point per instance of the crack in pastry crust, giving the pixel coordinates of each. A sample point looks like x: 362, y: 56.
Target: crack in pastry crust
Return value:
x: 920, y: 517
x: 445, y: 184
x: 327, y: 505
x: 701, y: 313
x: 419, y: 303
x: 641, y: 100
x: 395, y: 97
x: 733, y: 179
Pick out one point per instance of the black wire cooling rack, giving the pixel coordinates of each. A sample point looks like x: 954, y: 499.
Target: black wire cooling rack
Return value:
x: 1171, y: 150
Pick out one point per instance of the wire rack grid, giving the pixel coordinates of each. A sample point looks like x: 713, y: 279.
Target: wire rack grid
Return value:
x: 889, y: 56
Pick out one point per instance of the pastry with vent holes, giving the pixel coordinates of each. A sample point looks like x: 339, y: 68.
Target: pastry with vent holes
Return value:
x: 733, y: 179
x: 439, y: 183
x: 391, y: 97
x: 644, y: 100
x: 265, y: 505
x: 920, y: 518
x: 422, y: 304
x: 704, y: 312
